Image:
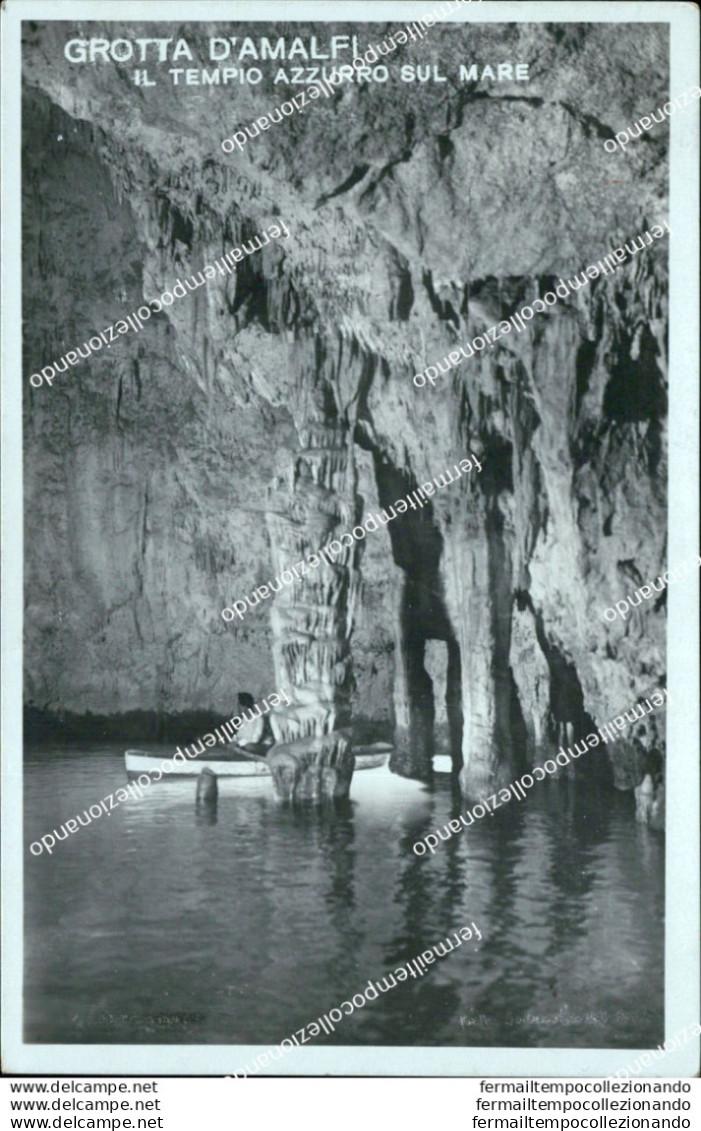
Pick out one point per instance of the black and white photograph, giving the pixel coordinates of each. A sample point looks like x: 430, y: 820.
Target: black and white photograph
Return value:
x: 351, y: 481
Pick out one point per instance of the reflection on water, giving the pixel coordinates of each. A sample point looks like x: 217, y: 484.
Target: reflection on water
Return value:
x: 168, y: 922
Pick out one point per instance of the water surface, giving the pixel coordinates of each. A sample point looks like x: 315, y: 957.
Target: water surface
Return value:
x: 160, y: 924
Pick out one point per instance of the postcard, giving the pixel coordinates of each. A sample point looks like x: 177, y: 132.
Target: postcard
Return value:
x: 350, y: 504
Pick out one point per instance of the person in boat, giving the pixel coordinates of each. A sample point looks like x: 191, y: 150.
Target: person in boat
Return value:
x: 253, y: 733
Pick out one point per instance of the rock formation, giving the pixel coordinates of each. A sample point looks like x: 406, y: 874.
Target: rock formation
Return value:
x: 317, y: 769
x: 262, y: 415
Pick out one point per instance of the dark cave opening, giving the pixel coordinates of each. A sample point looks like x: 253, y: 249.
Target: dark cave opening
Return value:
x: 584, y: 363
x: 421, y: 621
x: 453, y: 700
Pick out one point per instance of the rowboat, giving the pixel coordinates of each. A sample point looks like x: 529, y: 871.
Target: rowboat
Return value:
x: 231, y: 763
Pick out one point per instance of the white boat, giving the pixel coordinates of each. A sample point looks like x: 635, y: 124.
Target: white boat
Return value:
x: 234, y: 764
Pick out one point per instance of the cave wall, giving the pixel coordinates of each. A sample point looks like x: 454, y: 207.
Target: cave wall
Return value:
x: 418, y: 223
